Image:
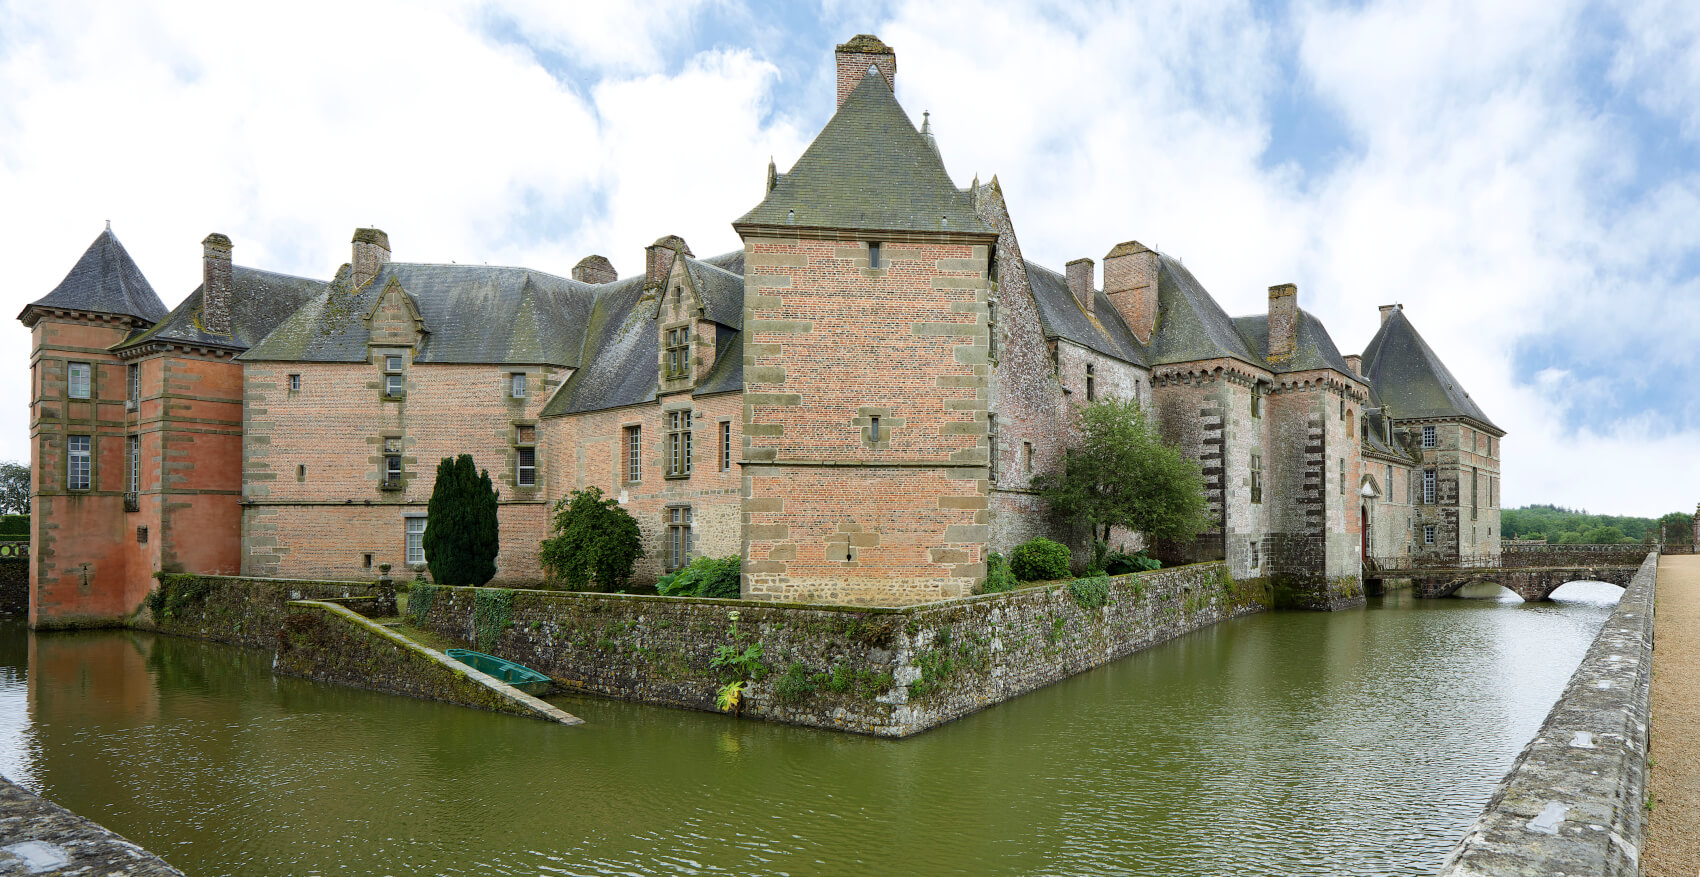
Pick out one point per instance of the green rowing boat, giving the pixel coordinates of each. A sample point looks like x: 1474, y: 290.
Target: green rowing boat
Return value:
x: 518, y: 675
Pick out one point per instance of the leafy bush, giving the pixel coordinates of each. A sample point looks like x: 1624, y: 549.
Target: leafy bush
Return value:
x: 1118, y: 564
x: 735, y: 664
x: 1090, y: 593
x: 14, y: 527
x: 794, y: 686
x: 706, y: 577
x: 461, y: 538
x: 595, y: 543
x: 998, y: 577
x: 1038, y: 560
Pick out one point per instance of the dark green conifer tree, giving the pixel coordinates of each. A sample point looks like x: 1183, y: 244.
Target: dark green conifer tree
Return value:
x: 461, y: 537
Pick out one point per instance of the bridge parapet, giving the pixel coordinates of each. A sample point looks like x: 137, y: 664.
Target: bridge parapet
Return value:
x: 1524, y: 555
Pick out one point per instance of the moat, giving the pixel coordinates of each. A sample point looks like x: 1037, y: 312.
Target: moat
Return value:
x: 1291, y: 743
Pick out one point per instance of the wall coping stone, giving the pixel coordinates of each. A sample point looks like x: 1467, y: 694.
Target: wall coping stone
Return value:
x: 38, y: 836
x: 1573, y: 802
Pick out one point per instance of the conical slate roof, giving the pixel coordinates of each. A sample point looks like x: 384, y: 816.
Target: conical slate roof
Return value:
x: 1410, y: 379
x: 105, y: 280
x: 870, y: 170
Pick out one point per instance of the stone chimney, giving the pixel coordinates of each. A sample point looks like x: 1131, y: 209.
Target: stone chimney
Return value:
x: 1130, y: 283
x: 371, y: 253
x: 854, y: 59
x: 1387, y: 311
x: 216, y: 284
x: 1080, y: 276
x: 595, y: 269
x: 1355, y: 363
x: 1283, y: 322
x: 658, y: 259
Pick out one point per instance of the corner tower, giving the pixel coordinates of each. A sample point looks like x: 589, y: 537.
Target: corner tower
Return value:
x: 865, y: 363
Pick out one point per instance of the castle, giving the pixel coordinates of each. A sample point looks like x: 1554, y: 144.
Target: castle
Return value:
x: 857, y: 402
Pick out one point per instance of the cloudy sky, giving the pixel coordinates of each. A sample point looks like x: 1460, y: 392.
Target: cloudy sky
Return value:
x: 1522, y: 175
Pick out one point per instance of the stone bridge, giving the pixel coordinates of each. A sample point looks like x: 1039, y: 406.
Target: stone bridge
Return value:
x: 1531, y: 574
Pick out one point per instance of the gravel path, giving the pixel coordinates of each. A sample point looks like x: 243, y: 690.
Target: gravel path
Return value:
x: 1672, y: 847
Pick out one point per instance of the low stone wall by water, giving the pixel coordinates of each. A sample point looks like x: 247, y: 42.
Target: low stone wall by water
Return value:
x: 38, y: 836
x: 246, y: 611
x: 1573, y: 803
x: 888, y: 672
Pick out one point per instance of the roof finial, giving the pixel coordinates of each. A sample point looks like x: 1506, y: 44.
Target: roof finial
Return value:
x: 109, y: 225
x: 926, y: 123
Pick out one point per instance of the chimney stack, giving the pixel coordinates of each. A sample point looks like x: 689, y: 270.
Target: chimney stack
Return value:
x: 1130, y: 283
x: 1080, y: 277
x: 1387, y: 311
x: 371, y: 252
x: 1283, y: 322
x: 854, y: 59
x: 595, y: 270
x: 215, y: 284
x: 1355, y: 363
x: 658, y: 259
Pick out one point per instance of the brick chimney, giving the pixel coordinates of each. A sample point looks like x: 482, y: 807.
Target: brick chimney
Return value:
x: 1080, y: 283
x: 595, y: 269
x: 1387, y: 311
x: 1355, y: 363
x: 658, y: 259
x: 1130, y: 283
x: 854, y: 59
x: 371, y: 252
x: 1283, y: 322
x: 215, y: 284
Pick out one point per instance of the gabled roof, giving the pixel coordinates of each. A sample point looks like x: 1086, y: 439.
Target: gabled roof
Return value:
x: 259, y: 301
x: 870, y: 170
x: 105, y: 280
x: 1315, y: 349
x: 1061, y: 316
x: 1411, y: 381
x: 472, y: 313
x: 1190, y: 324
x: 720, y: 291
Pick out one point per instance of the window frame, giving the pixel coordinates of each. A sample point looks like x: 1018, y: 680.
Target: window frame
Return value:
x: 74, y: 454
x: 1429, y: 534
x: 295, y: 382
x: 678, y: 442
x: 725, y: 445
x: 634, y: 453
x: 516, y: 385
x: 1256, y: 469
x: 133, y: 383
x: 410, y: 537
x: 1091, y: 383
x: 992, y: 448
x: 677, y: 523
x: 1431, y: 437
x: 133, y: 463
x: 1256, y: 403
x: 394, y: 363
x: 86, y: 371
x: 521, y: 467
x: 874, y: 254
x: 1431, y: 486
x: 395, y: 385
x: 678, y: 349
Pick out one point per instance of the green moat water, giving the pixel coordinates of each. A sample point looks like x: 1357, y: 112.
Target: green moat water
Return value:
x: 1359, y: 742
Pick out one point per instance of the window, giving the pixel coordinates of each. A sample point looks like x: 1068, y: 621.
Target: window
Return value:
x: 1342, y: 409
x: 725, y: 445
x: 1490, y: 447
x: 79, y: 379
x: 678, y: 537
x: 366, y: 561
x: 392, y: 363
x: 1428, y: 534
x: 1255, y: 560
x: 301, y: 473
x: 134, y: 384
x: 1475, y: 478
x: 1257, y: 478
x: 1027, y: 457
x: 392, y: 462
x: 133, y: 461
x: 415, y: 540
x: 1429, y: 438
x: 525, y: 434
x: 395, y: 386
x: 634, y: 452
x: 1428, y: 487
x: 294, y: 383
x: 77, y: 463
x: 516, y: 385
x: 873, y: 255
x: 992, y: 446
x: 679, y: 443
x: 1091, y: 383
x: 874, y: 428
x: 1256, y: 402
x: 992, y: 329
x: 678, y: 352
x: 525, y: 474
x: 1342, y: 476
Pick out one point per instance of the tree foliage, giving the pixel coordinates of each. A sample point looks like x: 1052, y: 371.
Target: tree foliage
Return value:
x: 595, y: 543
x: 1562, y: 526
x: 461, y: 537
x: 716, y: 577
x: 1122, y: 474
x: 14, y: 488
x: 1039, y: 560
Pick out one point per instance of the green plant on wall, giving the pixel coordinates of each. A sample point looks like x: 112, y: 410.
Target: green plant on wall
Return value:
x: 175, y: 594
x: 1092, y: 593
x: 794, y: 685
x: 492, y: 613
x: 419, y: 601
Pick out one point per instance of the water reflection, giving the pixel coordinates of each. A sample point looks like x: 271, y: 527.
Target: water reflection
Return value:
x: 1292, y: 743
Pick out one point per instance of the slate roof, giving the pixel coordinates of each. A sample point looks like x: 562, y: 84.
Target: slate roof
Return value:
x: 1061, y: 316
x: 104, y: 280
x: 472, y: 313
x: 1190, y: 324
x: 1315, y: 348
x: 1411, y: 381
x: 259, y: 301
x: 868, y: 169
x: 1374, y: 425
x: 721, y: 291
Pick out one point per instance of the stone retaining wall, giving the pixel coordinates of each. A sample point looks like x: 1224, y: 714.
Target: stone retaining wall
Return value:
x: 1573, y: 803
x: 246, y: 611
x: 887, y: 672
x: 15, y: 583
x: 38, y: 836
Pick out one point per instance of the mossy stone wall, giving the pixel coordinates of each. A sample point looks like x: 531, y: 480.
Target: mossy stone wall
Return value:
x: 244, y: 611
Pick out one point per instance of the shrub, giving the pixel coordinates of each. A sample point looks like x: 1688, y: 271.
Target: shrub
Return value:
x: 14, y: 527
x: 998, y: 577
x: 461, y: 537
x: 1090, y: 593
x: 1118, y: 564
x: 595, y: 543
x: 706, y: 577
x: 794, y: 686
x: 1038, y: 560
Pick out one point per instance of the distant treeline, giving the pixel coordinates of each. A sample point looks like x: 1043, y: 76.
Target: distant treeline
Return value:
x: 1562, y: 526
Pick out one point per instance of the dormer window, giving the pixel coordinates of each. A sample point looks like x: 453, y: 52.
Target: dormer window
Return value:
x: 392, y: 363
x: 678, y: 352
x: 516, y: 385
x: 873, y: 255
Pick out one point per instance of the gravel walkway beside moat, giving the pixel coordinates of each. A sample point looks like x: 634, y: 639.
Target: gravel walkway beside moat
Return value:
x: 1672, y: 846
